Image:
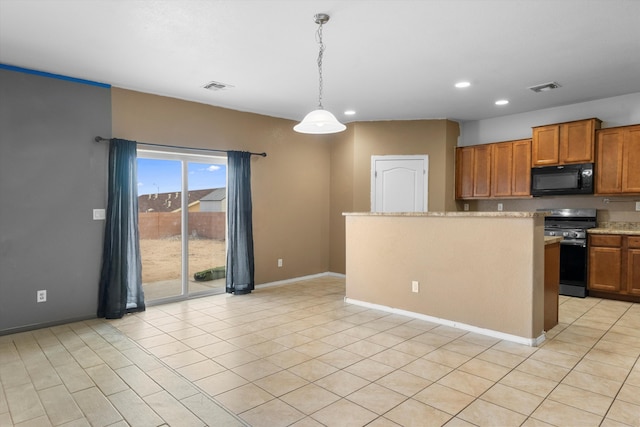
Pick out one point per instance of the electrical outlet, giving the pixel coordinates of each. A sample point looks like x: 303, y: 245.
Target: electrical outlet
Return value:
x: 466, y: 206
x: 415, y: 286
x: 279, y: 262
x: 638, y: 206
x: 41, y: 296
x: 500, y: 207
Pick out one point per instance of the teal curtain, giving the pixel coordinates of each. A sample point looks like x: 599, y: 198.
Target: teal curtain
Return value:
x: 121, y: 277
x: 240, y: 263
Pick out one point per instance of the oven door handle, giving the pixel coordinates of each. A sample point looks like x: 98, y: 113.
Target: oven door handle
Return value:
x: 573, y: 243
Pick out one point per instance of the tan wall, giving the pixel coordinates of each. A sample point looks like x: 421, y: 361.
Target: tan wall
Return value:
x: 306, y: 182
x: 290, y: 186
x: 351, y: 168
x: 453, y: 132
x: 342, y: 177
x: 485, y: 272
x: 404, y: 138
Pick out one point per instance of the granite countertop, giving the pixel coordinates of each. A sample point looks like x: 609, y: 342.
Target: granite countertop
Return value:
x: 627, y: 228
x: 601, y: 230
x: 454, y: 214
x: 549, y: 240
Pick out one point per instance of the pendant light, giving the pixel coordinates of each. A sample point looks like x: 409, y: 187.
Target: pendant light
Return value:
x: 320, y: 121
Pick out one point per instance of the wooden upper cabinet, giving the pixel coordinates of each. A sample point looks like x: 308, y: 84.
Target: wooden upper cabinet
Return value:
x: 631, y: 160
x: 482, y: 171
x: 502, y: 170
x: 609, y: 161
x: 577, y: 141
x: 464, y: 172
x: 545, y: 148
x: 564, y: 143
x: 511, y: 169
x: 521, y: 177
x: 618, y: 160
x: 473, y: 172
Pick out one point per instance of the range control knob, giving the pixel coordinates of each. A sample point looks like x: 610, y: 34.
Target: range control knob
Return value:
x: 552, y: 233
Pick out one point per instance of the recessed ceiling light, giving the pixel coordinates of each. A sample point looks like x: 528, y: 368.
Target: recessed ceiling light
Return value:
x: 349, y: 112
x: 502, y: 102
x: 461, y: 85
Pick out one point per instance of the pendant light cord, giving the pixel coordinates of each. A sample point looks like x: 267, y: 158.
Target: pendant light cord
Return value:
x: 320, y: 54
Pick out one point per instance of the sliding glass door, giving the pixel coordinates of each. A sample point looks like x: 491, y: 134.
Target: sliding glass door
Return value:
x: 207, y: 224
x: 182, y: 223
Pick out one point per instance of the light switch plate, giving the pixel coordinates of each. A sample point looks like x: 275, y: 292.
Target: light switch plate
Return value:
x: 638, y: 206
x: 99, y: 214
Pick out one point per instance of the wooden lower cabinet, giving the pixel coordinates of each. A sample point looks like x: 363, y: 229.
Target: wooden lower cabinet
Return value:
x: 614, y: 266
x: 633, y: 265
x: 551, y: 285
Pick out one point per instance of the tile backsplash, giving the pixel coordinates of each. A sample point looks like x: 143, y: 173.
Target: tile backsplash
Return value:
x: 609, y: 209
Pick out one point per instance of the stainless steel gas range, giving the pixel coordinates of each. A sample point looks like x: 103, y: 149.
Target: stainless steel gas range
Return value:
x: 572, y: 225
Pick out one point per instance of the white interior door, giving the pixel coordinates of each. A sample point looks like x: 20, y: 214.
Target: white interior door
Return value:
x: 399, y: 183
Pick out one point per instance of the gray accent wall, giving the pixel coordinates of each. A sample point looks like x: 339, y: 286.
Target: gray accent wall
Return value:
x: 52, y: 176
x: 617, y: 111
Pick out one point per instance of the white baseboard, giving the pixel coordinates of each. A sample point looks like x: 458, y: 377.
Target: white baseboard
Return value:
x: 301, y: 278
x: 531, y: 342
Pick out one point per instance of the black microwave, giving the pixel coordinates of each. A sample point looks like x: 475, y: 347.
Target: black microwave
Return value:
x: 562, y: 180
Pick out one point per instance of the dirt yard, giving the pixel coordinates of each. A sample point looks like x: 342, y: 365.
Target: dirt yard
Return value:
x: 161, y: 257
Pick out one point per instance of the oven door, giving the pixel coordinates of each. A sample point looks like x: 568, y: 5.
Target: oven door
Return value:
x: 573, y: 268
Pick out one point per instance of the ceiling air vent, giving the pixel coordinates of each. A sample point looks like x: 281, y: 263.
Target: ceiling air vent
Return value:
x: 545, y: 87
x: 216, y: 86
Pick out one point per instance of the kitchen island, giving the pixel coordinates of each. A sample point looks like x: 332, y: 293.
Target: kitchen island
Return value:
x: 478, y: 271
x: 551, y: 281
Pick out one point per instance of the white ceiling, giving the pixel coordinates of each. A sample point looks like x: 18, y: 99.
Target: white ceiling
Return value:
x: 388, y: 60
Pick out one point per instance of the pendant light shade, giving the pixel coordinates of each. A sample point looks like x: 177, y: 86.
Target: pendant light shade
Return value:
x: 320, y: 121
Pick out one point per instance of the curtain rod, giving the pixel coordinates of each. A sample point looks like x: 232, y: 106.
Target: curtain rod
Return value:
x: 100, y: 139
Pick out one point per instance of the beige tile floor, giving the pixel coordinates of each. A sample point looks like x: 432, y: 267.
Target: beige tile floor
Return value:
x: 297, y: 355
